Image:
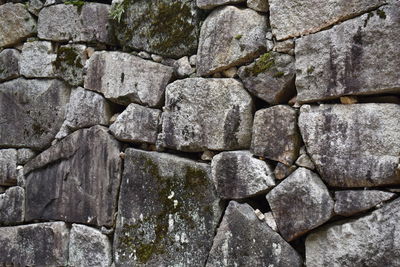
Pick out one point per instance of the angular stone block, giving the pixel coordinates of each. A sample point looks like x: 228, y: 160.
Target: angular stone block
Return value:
x: 9, y: 64
x: 8, y: 166
x: 258, y: 5
x: 12, y: 206
x: 24, y: 155
x: 70, y: 62
x: 210, y: 4
x: 37, y: 60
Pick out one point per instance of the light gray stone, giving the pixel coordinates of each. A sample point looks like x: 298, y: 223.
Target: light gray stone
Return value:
x: 349, y: 202
x: 34, y: 6
x: 12, y: 206
x: 358, y: 57
x: 210, y: 4
x: 8, y: 166
x: 124, y: 78
x: 75, y: 180
x: 300, y: 203
x: 305, y: 161
x: 353, y: 145
x: 183, y: 68
x: 37, y: 60
x: 9, y: 64
x: 41, y: 244
x: 270, y: 220
x: 243, y: 240
x: 258, y: 5
x: 271, y: 77
x: 282, y: 171
x: 70, y: 62
x: 31, y: 112
x: 286, y: 47
x: 371, y: 240
x: 201, y: 114
x: 230, y: 37
x: 238, y: 175
x: 24, y: 155
x: 88, y: 247
x: 175, y: 215
x: 295, y: 18
x: 137, y: 124
x: 16, y: 24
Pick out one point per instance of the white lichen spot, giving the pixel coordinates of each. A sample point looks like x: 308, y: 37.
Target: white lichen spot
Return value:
x: 175, y: 203
x: 170, y: 223
x: 277, y: 248
x: 184, y: 238
x: 141, y: 217
x: 171, y: 195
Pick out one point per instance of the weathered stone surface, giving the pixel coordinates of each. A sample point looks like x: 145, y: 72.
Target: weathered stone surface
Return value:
x: 9, y: 64
x: 243, y: 240
x: 8, y: 166
x: 183, y: 68
x: 137, y: 124
x: 270, y: 220
x: 300, y: 203
x: 37, y: 60
x: 75, y: 180
x: 124, y: 78
x: 34, y: 6
x: 229, y: 37
x: 85, y: 109
x: 343, y: 60
x: 369, y: 241
x: 353, y: 145
x: 276, y: 135
x: 270, y: 78
x: 349, y: 202
x: 70, y: 62
x: 170, y: 27
x: 238, y: 175
x: 200, y: 114
x: 258, y: 5
x: 41, y: 244
x: 210, y: 4
x: 26, y: 120
x: 295, y: 18
x: 175, y: 215
x: 16, y: 24
x: 12, y: 206
x: 282, y: 171
x: 88, y: 247
x: 24, y: 155
x: 305, y: 161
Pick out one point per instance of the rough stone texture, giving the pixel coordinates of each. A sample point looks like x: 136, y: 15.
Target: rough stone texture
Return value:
x: 37, y: 60
x: 300, y: 203
x: 353, y: 145
x: 34, y: 6
x: 369, y: 241
x: 9, y: 64
x: 349, y: 202
x: 175, y: 215
x: 41, y: 244
x: 124, y: 78
x: 238, y: 175
x: 26, y: 120
x: 75, y: 180
x: 282, y: 171
x: 305, y: 161
x: 8, y: 166
x: 170, y: 28
x: 200, y: 114
x: 137, y: 124
x: 276, y: 135
x: 270, y: 78
x: 183, y: 68
x: 16, y: 24
x: 210, y: 4
x: 243, y: 240
x: 24, y: 155
x: 12, y: 206
x: 70, y: 62
x: 359, y: 56
x: 270, y: 220
x: 258, y: 5
x: 88, y: 247
x: 295, y: 18
x: 229, y: 37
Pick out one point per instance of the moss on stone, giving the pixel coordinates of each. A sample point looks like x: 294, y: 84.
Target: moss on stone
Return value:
x: 67, y: 56
x: 278, y: 74
x: 310, y: 70
x: 238, y: 37
x: 262, y: 64
x: 381, y: 14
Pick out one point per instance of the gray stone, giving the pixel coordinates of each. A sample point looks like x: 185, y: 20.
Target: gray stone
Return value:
x: 300, y: 203
x: 295, y: 18
x: 8, y: 166
x: 349, y: 202
x: 243, y: 240
x: 201, y: 114
x: 70, y: 62
x: 137, y: 124
x: 271, y: 77
x: 371, y: 240
x: 230, y: 37
x: 270, y: 220
x: 276, y: 135
x: 16, y: 24
x: 258, y: 5
x: 75, y: 180
x: 124, y: 78
x: 41, y: 244
x: 175, y: 214
x: 286, y: 47
x: 230, y: 73
x: 170, y: 27
x: 238, y: 175
x: 24, y: 155
x: 144, y: 55
x: 12, y: 206
x: 88, y: 247
x: 210, y: 4
x: 305, y: 161
x: 34, y: 6
x: 343, y: 60
x: 282, y: 171
x: 31, y: 112
x: 9, y: 64
x: 183, y: 68
x: 37, y: 60
x: 353, y: 145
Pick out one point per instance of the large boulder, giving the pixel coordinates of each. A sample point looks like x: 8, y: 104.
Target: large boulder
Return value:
x: 37, y: 60
x: 75, y: 180
x: 343, y: 60
x: 12, y: 206
x: 353, y: 145
x: 8, y: 166
x: 201, y: 114
x: 9, y: 64
x: 168, y: 211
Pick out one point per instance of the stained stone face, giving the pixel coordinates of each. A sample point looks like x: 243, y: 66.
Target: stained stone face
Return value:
x: 70, y: 62
x: 168, y: 211
x: 8, y: 166
x: 9, y: 62
x: 12, y: 206
x: 210, y: 4
x: 37, y: 60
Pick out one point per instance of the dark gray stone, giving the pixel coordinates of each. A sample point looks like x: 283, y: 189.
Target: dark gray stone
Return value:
x: 210, y: 4
x: 70, y: 62
x: 12, y: 206
x: 282, y: 171
x: 8, y: 167
x: 9, y: 64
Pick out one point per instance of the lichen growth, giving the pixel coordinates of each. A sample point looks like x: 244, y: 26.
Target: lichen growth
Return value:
x: 310, y: 70
x: 68, y: 56
x: 278, y: 74
x: 77, y: 3
x: 262, y: 64
x: 381, y: 14
x: 238, y: 37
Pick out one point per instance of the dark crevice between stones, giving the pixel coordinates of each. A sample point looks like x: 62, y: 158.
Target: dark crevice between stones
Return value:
x: 299, y: 244
x: 257, y: 202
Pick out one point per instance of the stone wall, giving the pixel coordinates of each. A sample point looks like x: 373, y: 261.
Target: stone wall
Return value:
x: 200, y: 133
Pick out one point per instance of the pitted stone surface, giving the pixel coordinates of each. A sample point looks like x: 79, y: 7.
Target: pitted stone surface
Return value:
x: 12, y: 206
x: 37, y: 60
x: 70, y: 62
x: 8, y: 166
x: 9, y: 64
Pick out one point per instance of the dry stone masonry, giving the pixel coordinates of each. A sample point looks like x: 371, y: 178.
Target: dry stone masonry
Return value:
x: 210, y: 133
